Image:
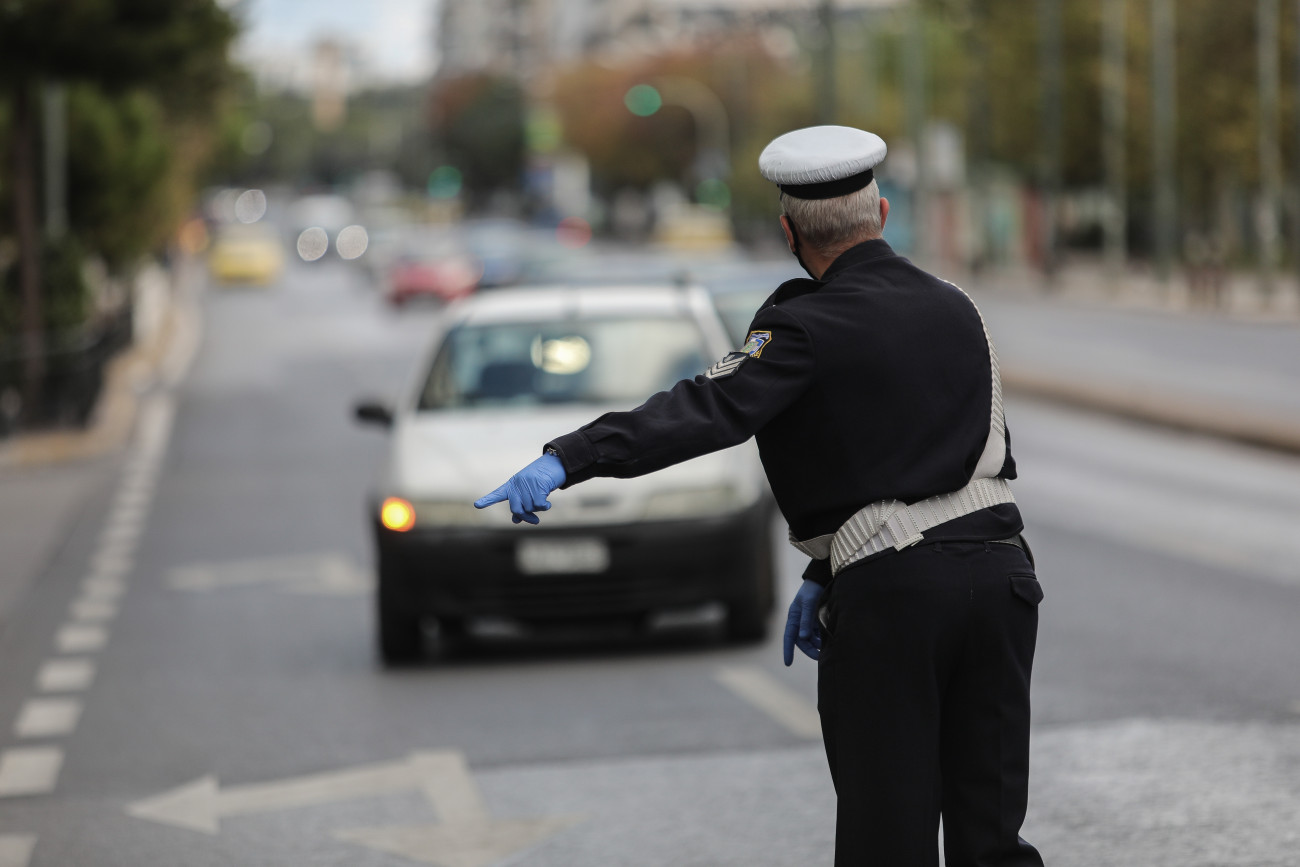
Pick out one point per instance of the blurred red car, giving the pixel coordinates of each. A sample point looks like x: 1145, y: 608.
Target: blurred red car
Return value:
x: 437, y: 268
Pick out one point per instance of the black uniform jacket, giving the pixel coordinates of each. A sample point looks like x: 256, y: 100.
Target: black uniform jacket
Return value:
x: 872, y: 383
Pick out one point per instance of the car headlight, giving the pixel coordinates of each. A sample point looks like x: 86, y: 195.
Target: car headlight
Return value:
x: 698, y: 503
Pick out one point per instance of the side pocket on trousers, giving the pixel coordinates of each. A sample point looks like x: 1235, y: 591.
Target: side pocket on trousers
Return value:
x: 1026, y: 586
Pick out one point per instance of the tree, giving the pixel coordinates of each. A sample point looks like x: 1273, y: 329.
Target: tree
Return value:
x: 479, y: 124
x: 174, y: 48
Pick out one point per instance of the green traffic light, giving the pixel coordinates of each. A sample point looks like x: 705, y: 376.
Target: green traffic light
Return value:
x: 445, y: 182
x: 643, y: 100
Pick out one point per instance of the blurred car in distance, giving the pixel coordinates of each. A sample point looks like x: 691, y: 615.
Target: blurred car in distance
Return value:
x: 513, y: 369
x: 250, y: 253
x: 432, y: 266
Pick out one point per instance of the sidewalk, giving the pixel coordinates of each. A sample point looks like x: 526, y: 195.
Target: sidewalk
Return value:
x: 46, y: 478
x: 1139, y: 349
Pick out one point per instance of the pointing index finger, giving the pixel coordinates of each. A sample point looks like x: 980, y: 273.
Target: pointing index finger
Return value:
x: 496, y: 496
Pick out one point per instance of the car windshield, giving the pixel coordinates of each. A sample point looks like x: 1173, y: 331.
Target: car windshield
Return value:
x: 590, y: 361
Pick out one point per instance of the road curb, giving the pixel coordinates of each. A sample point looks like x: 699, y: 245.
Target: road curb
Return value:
x: 161, y: 361
x: 1148, y: 404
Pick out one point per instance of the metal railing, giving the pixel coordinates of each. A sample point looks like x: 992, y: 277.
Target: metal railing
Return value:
x: 75, y: 361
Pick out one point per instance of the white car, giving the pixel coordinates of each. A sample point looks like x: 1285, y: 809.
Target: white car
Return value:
x: 509, y: 371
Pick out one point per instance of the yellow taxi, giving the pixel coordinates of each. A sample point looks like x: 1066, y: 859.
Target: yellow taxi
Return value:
x: 247, y: 254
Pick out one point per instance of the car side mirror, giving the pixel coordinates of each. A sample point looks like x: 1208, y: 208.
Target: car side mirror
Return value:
x: 373, y: 412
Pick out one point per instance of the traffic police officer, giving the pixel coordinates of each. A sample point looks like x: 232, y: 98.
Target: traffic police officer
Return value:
x: 874, y: 395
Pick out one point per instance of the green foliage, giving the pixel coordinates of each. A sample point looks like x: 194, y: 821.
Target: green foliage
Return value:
x: 479, y: 126
x: 177, y: 47
x: 382, y: 129
x: 120, y: 157
x: 67, y: 297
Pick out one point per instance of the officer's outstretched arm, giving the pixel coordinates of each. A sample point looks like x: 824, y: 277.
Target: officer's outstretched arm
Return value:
x: 722, y: 407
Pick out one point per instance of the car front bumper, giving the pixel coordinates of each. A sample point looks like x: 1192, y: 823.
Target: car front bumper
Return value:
x: 466, y: 573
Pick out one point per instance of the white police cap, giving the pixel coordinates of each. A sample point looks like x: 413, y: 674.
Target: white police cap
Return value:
x: 822, y: 162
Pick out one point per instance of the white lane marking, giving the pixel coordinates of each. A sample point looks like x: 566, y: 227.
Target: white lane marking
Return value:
x: 325, y: 575
x: 47, y: 717
x: 774, y: 698
x: 65, y: 675
x: 81, y: 639
x: 156, y: 419
x: 16, y: 849
x: 103, y: 587
x: 29, y: 771
x: 116, y: 561
x: 120, y: 533
x: 92, y: 609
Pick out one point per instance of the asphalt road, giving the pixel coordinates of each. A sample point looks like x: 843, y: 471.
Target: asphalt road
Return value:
x: 192, y: 681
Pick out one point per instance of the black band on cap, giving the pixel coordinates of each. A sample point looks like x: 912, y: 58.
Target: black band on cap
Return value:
x: 829, y: 189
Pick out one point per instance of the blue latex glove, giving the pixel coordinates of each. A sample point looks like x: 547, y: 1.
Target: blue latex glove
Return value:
x: 802, y: 628
x: 528, y: 489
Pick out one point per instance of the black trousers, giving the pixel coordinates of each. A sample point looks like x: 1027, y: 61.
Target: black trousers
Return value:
x: 923, y: 689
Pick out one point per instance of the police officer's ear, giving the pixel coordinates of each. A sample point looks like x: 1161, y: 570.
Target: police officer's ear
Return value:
x: 789, y: 234
x: 884, y: 211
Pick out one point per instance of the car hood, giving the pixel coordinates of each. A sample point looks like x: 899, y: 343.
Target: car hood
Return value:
x: 454, y: 456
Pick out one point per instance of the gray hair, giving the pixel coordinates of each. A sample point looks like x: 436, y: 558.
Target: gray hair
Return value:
x: 834, y: 225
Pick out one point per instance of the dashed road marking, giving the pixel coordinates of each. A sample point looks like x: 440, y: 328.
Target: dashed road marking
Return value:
x: 65, y: 675
x: 117, y: 561
x: 47, y: 717
x: 16, y: 849
x: 93, y: 610
x: 774, y: 698
x: 121, y: 533
x: 103, y: 587
x: 76, y: 638
x: 29, y: 771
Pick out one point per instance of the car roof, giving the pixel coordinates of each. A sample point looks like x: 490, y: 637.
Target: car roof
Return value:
x: 576, y: 302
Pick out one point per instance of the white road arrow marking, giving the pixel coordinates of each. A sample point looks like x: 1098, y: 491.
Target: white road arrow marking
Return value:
x: 323, y: 575
x: 465, y: 835
x: 202, y: 804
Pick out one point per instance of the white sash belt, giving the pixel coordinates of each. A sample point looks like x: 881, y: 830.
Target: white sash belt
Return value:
x: 892, y: 523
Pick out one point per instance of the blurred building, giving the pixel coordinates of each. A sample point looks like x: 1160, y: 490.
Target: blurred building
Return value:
x: 524, y: 37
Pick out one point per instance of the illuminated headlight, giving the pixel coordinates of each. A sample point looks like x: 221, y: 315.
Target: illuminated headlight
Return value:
x: 699, y: 503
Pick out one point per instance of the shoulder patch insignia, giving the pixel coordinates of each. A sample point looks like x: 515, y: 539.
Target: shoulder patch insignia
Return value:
x: 756, y: 342
x: 729, y: 364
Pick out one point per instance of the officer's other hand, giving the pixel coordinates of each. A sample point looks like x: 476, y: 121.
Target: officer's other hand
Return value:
x: 802, y: 628
x: 528, y: 489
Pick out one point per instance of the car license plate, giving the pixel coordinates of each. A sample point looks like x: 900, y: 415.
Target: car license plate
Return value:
x: 552, y: 556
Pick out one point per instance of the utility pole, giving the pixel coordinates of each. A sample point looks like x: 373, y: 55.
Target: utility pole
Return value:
x: 1295, y: 213
x: 1270, y: 170
x: 977, y: 124
x: 914, y: 87
x: 1114, y: 136
x: 1049, y: 63
x: 55, y: 99
x: 827, y: 99
x: 1163, y: 120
